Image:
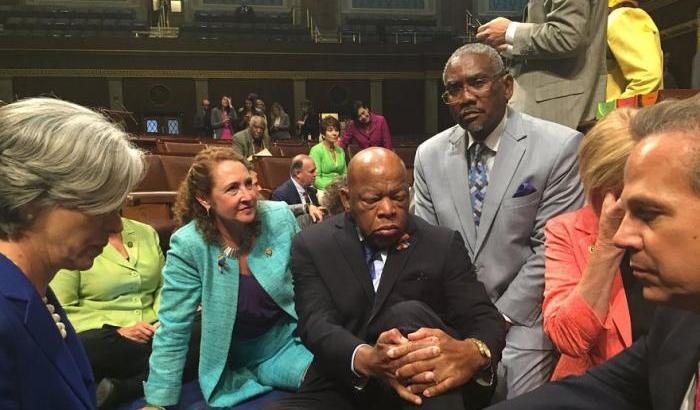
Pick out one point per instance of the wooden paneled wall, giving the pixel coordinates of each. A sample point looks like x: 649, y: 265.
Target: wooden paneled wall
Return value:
x: 337, y: 95
x: 91, y: 92
x: 167, y: 96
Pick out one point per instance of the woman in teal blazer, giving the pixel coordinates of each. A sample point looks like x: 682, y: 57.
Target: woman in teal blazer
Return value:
x: 231, y: 259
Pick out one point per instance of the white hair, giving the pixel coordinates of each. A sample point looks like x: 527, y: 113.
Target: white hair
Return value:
x: 56, y: 153
x: 478, y: 49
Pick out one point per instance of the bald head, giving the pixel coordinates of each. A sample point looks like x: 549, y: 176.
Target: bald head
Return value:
x: 374, y: 163
x: 303, y: 170
x: 377, y: 196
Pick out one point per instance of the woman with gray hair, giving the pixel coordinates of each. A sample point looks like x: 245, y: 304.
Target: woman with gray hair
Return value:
x: 64, y: 173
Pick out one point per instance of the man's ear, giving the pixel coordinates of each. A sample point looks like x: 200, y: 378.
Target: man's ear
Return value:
x: 508, y: 84
x: 345, y: 198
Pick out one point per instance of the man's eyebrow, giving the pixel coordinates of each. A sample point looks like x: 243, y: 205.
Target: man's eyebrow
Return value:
x: 645, y: 201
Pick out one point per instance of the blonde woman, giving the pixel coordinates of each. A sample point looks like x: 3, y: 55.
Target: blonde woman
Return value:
x: 593, y: 308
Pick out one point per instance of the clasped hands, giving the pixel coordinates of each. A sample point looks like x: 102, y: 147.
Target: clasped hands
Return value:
x: 426, y: 363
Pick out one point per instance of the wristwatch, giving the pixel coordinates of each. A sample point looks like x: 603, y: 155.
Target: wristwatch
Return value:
x: 485, y: 376
x: 483, y: 349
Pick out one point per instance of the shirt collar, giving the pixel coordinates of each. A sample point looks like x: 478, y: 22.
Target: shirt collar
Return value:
x: 300, y: 188
x: 494, y: 139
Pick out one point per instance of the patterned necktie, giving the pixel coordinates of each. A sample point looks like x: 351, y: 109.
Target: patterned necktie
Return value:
x: 478, y: 180
x: 307, y: 198
x: 371, y: 255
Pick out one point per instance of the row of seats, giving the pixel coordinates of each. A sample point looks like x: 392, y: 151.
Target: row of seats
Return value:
x: 230, y: 16
x: 59, y: 23
x: 89, y: 13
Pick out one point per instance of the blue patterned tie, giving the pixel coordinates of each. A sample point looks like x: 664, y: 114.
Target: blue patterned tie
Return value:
x: 371, y: 255
x: 478, y: 180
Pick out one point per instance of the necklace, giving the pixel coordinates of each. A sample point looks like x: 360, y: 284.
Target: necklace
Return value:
x: 56, y: 318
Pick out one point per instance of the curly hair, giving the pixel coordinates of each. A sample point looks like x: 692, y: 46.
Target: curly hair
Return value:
x: 199, y: 183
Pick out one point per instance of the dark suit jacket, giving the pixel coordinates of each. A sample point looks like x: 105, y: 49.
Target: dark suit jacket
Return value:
x: 38, y: 369
x: 654, y: 373
x: 288, y: 193
x: 336, y: 303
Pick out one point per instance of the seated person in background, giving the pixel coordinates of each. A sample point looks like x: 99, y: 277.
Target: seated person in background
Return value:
x: 253, y: 139
x: 367, y: 129
x: 328, y: 156
x: 635, y: 60
x: 660, y: 212
x: 389, y: 304
x: 232, y: 258
x: 593, y: 307
x: 113, y: 307
x: 298, y: 191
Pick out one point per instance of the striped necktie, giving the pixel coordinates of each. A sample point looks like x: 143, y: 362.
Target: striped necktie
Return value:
x: 478, y: 180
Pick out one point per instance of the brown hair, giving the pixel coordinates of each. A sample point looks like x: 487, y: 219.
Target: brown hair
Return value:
x: 199, y: 183
x: 604, y: 151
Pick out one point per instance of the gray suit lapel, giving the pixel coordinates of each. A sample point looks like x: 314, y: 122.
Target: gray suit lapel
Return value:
x: 510, y: 152
x: 457, y: 175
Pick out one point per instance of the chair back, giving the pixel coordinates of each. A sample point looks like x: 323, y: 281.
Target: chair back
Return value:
x: 272, y: 171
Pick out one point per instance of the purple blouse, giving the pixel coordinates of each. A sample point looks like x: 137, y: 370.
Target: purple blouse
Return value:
x: 257, y: 312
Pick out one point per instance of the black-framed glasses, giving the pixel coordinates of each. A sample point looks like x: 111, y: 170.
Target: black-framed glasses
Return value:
x: 478, y: 86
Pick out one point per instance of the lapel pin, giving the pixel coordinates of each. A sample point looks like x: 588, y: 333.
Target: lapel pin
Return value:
x: 268, y: 252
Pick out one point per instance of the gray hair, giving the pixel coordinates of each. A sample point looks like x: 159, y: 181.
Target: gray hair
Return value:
x: 673, y: 116
x: 478, y: 49
x: 56, y: 153
x: 257, y: 117
x: 298, y: 164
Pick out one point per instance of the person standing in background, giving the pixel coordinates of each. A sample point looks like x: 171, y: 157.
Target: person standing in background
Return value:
x: 635, y: 62
x: 367, y: 129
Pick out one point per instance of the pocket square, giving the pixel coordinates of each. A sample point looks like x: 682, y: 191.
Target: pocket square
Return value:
x: 525, y: 188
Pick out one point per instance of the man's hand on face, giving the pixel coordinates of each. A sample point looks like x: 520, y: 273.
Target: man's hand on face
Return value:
x: 456, y: 363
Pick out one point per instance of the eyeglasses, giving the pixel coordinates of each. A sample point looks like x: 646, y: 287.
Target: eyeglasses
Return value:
x: 478, y: 86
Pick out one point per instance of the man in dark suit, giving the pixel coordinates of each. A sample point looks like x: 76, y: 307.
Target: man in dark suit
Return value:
x: 299, y: 188
x: 298, y: 191
x: 389, y: 304
x: 659, y: 215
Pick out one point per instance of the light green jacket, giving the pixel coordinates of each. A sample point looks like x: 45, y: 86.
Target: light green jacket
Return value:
x: 115, y: 291
x: 327, y: 169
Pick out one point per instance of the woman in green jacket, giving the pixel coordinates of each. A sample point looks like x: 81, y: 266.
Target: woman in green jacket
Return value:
x: 113, y: 307
x: 231, y: 258
x: 328, y: 156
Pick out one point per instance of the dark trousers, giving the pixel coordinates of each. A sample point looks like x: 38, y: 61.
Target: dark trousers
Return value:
x: 125, y: 361
x: 318, y: 392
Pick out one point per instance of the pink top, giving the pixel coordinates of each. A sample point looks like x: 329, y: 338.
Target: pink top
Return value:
x: 375, y: 135
x: 226, y: 131
x: 584, y: 339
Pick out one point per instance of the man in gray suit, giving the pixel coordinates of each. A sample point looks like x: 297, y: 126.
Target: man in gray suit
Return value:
x: 497, y: 177
x: 558, y: 55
